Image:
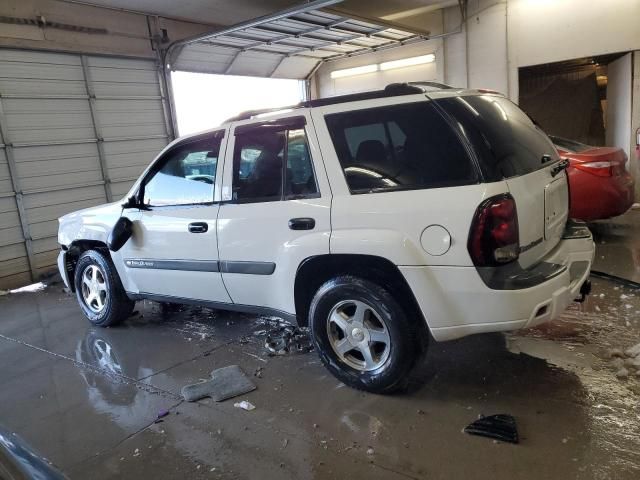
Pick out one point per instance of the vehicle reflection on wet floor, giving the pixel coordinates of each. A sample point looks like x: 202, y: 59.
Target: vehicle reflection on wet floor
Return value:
x: 618, y: 245
x: 87, y: 398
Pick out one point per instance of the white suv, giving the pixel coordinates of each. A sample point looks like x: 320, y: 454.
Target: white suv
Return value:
x: 380, y: 220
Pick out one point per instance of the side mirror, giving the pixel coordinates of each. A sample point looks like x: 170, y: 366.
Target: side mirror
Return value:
x: 121, y: 232
x: 132, y: 202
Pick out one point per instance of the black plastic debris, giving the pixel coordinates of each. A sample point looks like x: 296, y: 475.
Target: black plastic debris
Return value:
x: 499, y: 427
x: 288, y: 339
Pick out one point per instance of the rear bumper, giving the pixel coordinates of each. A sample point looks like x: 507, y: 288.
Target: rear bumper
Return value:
x: 456, y: 302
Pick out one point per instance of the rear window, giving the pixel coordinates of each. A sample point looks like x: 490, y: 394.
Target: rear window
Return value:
x: 507, y: 142
x: 399, y: 147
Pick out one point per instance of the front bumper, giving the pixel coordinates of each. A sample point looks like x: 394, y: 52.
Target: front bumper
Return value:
x: 456, y: 302
x: 64, y: 272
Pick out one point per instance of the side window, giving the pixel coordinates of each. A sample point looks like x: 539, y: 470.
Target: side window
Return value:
x: 257, y: 166
x: 272, y: 164
x: 186, y: 176
x: 399, y: 147
x: 300, y: 177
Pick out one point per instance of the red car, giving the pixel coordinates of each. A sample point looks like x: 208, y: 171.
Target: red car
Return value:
x: 601, y: 186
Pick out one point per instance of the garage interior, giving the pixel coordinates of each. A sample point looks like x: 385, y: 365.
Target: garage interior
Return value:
x: 87, y: 102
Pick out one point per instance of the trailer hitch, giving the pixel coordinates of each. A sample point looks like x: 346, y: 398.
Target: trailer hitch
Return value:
x: 585, y: 290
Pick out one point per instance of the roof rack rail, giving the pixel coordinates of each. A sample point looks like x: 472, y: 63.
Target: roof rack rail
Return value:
x: 391, y: 90
x: 248, y: 114
x: 434, y: 85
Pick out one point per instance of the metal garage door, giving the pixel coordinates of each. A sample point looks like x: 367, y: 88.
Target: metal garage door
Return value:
x: 75, y: 131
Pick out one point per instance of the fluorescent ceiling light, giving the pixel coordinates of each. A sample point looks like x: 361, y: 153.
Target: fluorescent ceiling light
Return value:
x: 408, y: 62
x: 349, y: 72
x: 403, y: 62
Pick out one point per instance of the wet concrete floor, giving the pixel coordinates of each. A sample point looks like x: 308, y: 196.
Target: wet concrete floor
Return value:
x: 87, y: 398
x: 618, y: 241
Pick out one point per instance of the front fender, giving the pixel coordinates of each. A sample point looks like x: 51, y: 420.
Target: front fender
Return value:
x: 93, y: 224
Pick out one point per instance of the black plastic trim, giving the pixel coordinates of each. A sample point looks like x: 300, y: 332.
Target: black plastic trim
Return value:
x: 224, y: 266
x: 576, y: 229
x: 391, y: 90
x: 183, y: 265
x: 513, y: 277
x: 251, y: 268
x: 234, y: 307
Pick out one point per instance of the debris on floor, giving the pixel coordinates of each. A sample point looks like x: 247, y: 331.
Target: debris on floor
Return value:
x: 245, y: 405
x: 499, y: 427
x: 34, y: 287
x: 225, y: 383
x: 633, y: 351
x: 288, y: 339
x: 161, y: 415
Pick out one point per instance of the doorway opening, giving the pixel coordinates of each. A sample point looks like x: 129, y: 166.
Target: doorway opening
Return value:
x: 586, y: 99
x: 204, y: 101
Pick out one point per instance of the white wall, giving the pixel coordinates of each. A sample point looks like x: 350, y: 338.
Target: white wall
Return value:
x: 544, y: 31
x: 325, y: 86
x: 634, y: 158
x: 619, y: 83
x: 487, y: 47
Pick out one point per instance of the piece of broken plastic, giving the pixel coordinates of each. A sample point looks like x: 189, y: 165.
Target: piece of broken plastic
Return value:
x: 287, y: 339
x: 500, y: 427
x: 245, y: 405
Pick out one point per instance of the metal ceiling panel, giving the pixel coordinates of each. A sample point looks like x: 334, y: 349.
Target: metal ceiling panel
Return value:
x: 263, y: 46
x: 78, y: 130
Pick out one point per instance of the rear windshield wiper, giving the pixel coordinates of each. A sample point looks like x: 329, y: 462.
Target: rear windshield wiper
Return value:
x: 560, y: 166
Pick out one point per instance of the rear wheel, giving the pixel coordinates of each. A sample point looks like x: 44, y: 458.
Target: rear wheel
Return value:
x: 364, y: 337
x: 99, y: 291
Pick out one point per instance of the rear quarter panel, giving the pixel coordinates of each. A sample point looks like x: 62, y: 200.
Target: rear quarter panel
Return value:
x: 390, y: 224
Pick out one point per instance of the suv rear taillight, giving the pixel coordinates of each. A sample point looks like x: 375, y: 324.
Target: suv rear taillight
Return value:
x: 494, y: 238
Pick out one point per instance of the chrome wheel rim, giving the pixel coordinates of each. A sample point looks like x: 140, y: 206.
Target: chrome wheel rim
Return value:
x: 358, y: 335
x: 94, y: 289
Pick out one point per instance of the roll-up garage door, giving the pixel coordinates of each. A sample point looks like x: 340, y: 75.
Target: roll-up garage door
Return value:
x: 75, y: 131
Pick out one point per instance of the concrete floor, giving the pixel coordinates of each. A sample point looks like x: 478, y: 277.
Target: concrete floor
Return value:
x: 87, y: 398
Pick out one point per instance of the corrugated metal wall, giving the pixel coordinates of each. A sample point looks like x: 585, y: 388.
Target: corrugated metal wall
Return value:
x: 75, y: 131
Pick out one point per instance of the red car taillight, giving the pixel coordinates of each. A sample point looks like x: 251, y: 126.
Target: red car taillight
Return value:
x: 601, y: 169
x: 494, y: 238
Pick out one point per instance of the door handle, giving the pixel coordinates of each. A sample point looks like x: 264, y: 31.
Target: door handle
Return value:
x: 304, y: 223
x: 198, y: 227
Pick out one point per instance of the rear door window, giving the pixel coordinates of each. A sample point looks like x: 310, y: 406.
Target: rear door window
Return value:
x: 507, y: 142
x: 272, y: 164
x: 399, y: 147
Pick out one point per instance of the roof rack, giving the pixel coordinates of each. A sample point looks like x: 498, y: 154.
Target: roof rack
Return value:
x: 432, y: 85
x: 391, y: 90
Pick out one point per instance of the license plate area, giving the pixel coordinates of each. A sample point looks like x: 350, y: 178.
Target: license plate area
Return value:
x: 555, y: 208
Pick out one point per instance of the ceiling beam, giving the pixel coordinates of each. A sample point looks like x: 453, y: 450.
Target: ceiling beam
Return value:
x: 297, y: 9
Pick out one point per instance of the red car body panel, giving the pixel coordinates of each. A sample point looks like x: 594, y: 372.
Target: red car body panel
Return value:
x: 598, y: 193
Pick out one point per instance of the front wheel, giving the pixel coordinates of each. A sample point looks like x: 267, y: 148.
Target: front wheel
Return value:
x: 99, y: 291
x: 364, y: 337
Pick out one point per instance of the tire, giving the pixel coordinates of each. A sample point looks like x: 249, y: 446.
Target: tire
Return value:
x: 336, y: 310
x: 100, y: 293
